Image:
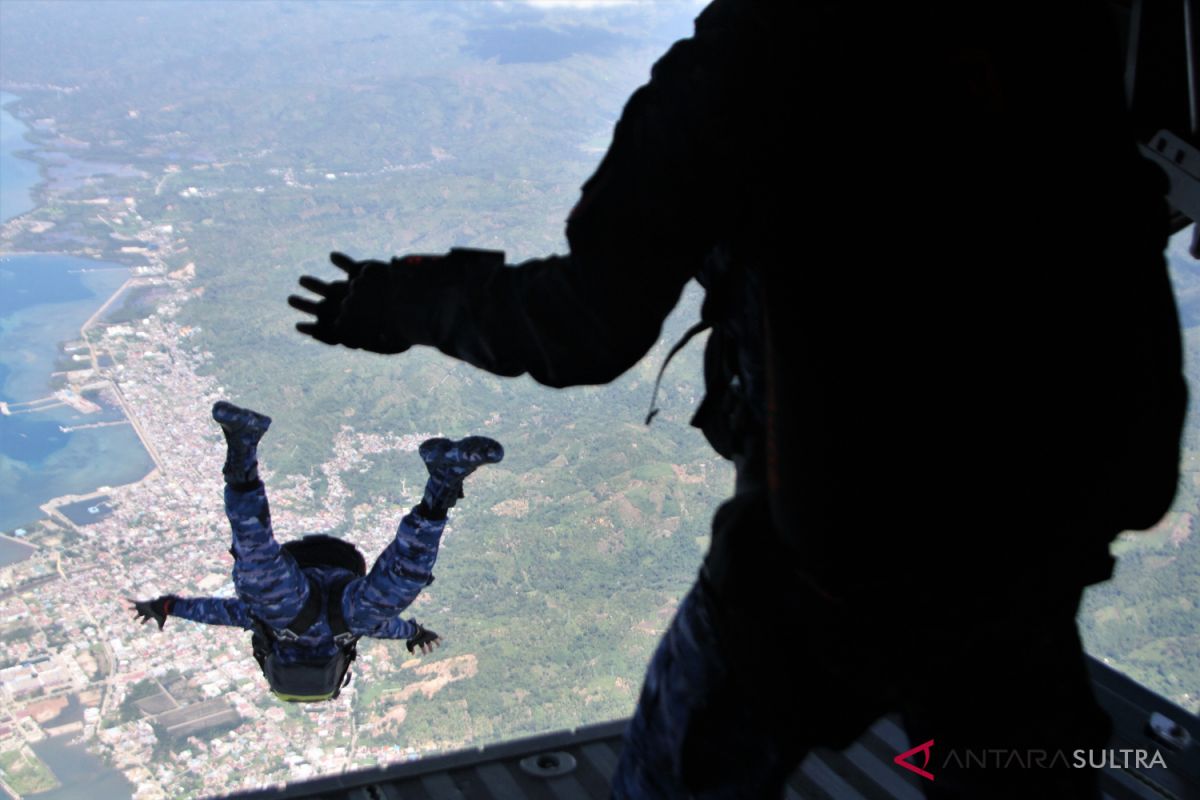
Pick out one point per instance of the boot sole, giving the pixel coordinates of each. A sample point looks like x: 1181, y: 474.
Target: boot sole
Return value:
x: 238, y: 420
x: 434, y: 452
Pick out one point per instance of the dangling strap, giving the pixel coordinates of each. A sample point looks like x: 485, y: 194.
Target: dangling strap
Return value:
x: 337, y: 618
x: 307, y: 616
x: 312, y: 609
x: 346, y: 640
x: 687, y: 337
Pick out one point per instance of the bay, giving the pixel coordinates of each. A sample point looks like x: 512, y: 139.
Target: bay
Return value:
x: 83, y: 776
x: 13, y: 552
x: 18, y: 176
x: 44, y: 299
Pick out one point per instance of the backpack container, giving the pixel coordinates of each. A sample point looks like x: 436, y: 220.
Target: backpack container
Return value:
x: 308, y: 682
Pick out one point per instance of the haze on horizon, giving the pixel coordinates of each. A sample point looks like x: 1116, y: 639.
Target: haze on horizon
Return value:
x: 220, y: 150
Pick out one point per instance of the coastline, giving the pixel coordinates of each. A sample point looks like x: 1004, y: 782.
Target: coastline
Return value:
x: 24, y: 228
x: 39, y: 194
x: 16, y: 167
x: 117, y: 393
x: 51, y: 506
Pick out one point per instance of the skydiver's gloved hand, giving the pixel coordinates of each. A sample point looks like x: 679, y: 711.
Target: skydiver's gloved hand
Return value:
x: 157, y: 609
x: 388, y: 306
x: 424, y: 638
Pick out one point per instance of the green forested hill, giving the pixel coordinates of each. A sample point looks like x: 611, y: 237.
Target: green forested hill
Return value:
x: 272, y: 133
x: 1146, y: 621
x: 379, y: 135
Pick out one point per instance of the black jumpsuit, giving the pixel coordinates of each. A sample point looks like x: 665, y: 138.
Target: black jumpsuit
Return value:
x: 957, y: 363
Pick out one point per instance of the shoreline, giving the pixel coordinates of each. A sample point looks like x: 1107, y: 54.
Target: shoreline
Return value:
x: 13, y: 540
x: 39, y: 195
x: 50, y: 507
x: 37, y: 140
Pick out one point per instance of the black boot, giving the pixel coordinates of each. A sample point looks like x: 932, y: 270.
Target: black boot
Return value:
x: 243, y: 429
x: 449, y: 463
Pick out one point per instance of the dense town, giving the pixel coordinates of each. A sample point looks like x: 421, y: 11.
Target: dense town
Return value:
x: 403, y: 130
x: 73, y: 651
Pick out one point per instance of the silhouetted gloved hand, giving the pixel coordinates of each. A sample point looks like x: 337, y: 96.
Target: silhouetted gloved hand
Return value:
x: 157, y: 609
x: 423, y: 638
x: 345, y: 306
x: 388, y: 306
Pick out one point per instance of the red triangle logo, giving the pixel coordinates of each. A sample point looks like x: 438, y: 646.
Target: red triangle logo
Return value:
x: 921, y: 748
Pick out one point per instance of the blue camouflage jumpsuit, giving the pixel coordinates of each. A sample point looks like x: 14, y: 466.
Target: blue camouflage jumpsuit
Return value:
x: 271, y: 587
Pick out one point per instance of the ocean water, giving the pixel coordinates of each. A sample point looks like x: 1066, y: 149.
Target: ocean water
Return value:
x: 44, y: 299
x: 13, y: 552
x: 17, y: 175
x: 82, y: 775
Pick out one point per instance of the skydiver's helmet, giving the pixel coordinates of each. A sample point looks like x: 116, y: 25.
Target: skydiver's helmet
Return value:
x: 319, y: 549
x: 313, y: 682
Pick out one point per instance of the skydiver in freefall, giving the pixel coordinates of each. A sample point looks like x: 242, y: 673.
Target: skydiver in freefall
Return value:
x: 308, y: 601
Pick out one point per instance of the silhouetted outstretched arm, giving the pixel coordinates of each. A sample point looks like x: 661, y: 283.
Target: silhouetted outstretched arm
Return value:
x: 661, y: 198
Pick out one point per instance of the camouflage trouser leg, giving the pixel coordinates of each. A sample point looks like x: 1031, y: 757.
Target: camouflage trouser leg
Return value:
x: 399, y: 574
x: 268, y: 581
x: 684, y: 726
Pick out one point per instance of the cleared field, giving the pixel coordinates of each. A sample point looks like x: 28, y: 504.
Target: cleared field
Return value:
x: 157, y: 704
x: 26, y: 773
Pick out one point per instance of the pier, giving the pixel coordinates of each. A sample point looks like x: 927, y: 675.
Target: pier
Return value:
x: 63, y: 397
x: 85, y: 426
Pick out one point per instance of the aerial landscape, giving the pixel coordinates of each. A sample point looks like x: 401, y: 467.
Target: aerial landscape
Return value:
x: 168, y: 171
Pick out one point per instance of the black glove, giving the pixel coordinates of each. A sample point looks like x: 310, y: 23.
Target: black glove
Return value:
x: 157, y: 609
x: 354, y: 312
x: 423, y: 638
x: 388, y: 306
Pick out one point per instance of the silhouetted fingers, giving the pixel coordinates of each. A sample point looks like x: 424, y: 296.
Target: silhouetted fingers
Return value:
x: 315, y: 285
x: 345, y: 263
x: 312, y: 329
x: 305, y: 305
x: 317, y: 332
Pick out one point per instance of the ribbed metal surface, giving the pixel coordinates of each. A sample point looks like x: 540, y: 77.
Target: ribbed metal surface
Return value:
x: 576, y: 765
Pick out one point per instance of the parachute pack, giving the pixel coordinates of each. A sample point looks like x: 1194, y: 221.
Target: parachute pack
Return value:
x: 313, y: 682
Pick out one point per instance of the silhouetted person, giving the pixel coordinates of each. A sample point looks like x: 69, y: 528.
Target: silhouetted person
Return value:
x: 944, y: 358
x: 308, y: 601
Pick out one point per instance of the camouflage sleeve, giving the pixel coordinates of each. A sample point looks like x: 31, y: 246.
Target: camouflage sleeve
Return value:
x: 213, y: 611
x: 654, y: 208
x: 395, y: 628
